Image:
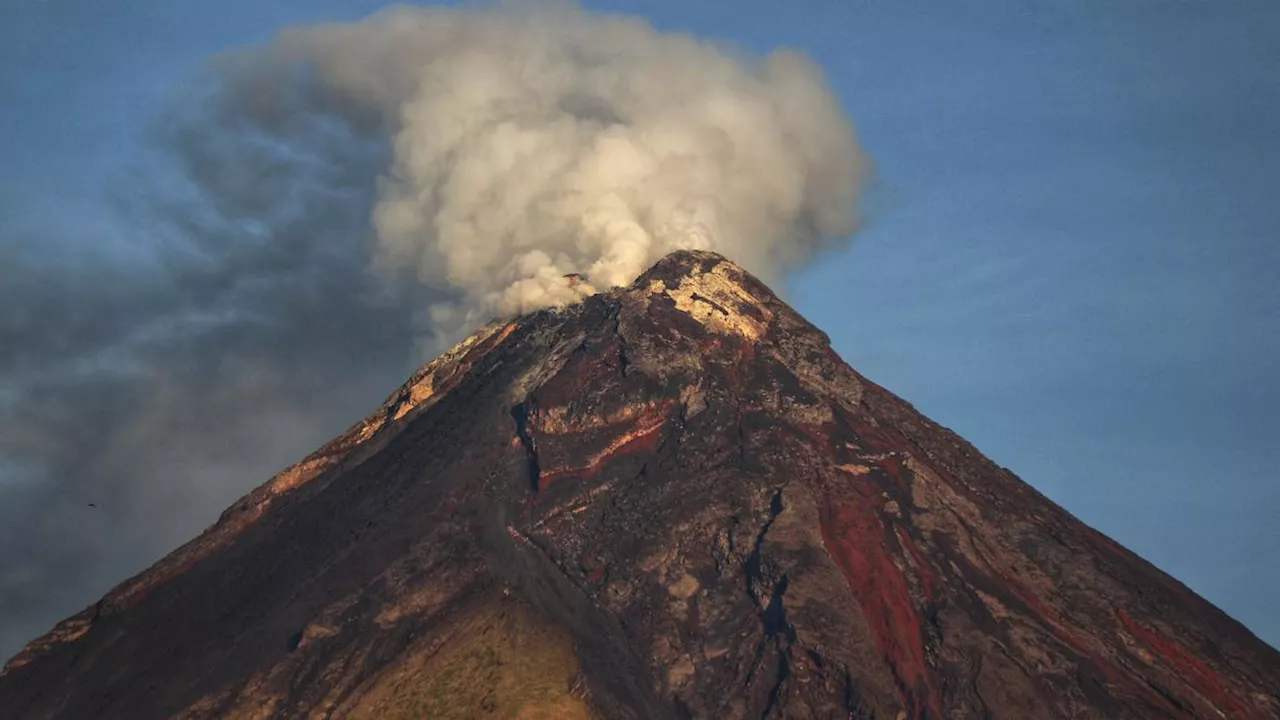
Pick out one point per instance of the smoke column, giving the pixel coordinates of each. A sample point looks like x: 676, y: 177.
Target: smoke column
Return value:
x: 344, y: 202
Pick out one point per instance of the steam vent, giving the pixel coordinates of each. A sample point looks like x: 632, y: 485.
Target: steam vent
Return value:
x: 673, y: 500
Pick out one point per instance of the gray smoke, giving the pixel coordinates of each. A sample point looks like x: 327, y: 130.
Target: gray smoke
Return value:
x: 340, y: 204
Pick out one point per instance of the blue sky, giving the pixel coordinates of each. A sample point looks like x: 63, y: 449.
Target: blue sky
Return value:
x: 1071, y: 251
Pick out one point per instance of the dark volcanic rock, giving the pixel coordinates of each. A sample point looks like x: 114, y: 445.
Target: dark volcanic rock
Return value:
x: 670, y: 501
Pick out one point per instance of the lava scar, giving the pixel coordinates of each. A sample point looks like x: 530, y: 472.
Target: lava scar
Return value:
x: 643, y: 436
x: 858, y: 540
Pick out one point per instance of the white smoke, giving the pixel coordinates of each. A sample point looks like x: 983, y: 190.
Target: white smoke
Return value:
x: 528, y: 144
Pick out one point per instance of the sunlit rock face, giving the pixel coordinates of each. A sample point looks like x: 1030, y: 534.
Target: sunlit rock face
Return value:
x: 672, y: 500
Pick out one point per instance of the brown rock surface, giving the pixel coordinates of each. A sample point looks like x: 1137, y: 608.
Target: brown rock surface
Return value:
x: 673, y: 500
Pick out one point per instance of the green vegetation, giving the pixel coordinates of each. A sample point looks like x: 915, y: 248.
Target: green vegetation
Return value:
x: 499, y: 664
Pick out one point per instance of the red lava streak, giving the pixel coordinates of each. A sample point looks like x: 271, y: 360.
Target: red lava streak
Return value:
x: 855, y: 538
x: 642, y: 438
x: 1191, y: 669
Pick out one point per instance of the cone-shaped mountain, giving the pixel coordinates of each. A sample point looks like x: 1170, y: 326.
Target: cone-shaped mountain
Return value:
x: 672, y: 500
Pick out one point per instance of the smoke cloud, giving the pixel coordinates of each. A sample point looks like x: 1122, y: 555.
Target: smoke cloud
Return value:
x: 331, y: 209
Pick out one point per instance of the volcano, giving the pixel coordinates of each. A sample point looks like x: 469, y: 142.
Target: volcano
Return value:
x: 672, y: 500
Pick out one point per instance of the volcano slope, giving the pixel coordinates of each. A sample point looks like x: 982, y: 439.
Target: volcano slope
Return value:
x: 673, y: 500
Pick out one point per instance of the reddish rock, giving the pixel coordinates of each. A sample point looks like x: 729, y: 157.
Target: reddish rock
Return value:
x: 672, y: 500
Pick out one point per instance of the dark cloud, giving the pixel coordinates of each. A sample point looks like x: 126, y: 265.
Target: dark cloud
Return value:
x: 161, y: 380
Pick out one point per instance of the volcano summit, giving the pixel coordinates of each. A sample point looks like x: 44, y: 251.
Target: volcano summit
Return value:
x: 672, y: 500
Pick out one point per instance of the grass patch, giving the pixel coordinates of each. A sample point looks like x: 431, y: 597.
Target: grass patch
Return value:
x: 502, y: 663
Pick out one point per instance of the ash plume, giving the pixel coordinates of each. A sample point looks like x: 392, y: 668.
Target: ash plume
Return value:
x: 338, y: 205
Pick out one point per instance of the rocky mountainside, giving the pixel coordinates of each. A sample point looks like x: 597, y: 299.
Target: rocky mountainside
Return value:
x: 673, y: 500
